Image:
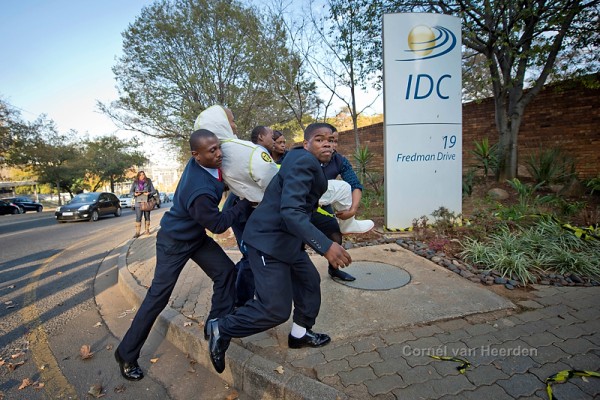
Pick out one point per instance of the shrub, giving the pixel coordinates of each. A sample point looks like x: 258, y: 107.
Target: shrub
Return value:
x: 529, y: 202
x: 524, y: 252
x: 445, y: 220
x: 551, y: 166
x: 486, y: 155
x: 468, y: 182
x: 593, y: 185
x: 363, y: 157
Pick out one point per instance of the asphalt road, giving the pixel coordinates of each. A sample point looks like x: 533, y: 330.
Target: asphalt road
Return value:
x: 58, y: 294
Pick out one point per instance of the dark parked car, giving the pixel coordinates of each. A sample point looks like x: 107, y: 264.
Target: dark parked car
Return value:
x: 89, y: 206
x: 26, y: 203
x: 6, y: 207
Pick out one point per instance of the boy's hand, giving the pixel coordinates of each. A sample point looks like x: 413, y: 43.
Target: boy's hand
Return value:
x: 345, y: 214
x: 337, y: 256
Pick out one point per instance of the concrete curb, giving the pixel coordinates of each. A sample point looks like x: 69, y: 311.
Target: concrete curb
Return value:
x: 250, y: 373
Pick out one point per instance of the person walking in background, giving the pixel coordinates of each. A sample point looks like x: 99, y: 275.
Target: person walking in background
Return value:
x: 279, y: 150
x: 142, y: 189
x: 182, y: 237
x: 275, y: 237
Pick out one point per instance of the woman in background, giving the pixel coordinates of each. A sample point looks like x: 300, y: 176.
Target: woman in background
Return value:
x: 279, y: 150
x: 141, y: 190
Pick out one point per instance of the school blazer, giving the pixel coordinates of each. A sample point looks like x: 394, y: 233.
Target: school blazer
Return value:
x: 280, y: 225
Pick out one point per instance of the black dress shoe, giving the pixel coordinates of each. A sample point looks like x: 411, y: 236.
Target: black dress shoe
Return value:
x: 310, y: 339
x: 130, y: 371
x: 217, y: 346
x: 339, y: 274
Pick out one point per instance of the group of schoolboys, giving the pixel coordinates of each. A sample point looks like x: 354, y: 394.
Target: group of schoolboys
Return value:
x: 273, y: 240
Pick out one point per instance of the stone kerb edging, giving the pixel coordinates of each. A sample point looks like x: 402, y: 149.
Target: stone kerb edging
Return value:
x: 253, y: 374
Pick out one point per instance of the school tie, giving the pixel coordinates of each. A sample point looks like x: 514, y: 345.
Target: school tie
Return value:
x: 220, y: 178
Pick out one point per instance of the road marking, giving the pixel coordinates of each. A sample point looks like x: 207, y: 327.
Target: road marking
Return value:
x: 56, y: 384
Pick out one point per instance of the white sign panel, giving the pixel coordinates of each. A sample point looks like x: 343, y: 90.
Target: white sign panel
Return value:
x: 422, y: 116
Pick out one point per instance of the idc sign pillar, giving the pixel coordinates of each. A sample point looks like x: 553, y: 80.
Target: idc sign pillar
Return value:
x: 422, y: 116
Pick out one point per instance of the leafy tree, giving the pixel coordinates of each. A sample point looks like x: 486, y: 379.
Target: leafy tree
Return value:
x: 109, y: 160
x: 342, y: 64
x: 523, y: 45
x: 522, y: 42
x: 8, y: 118
x: 343, y: 120
x: 181, y: 56
x: 54, y: 158
x: 476, y: 84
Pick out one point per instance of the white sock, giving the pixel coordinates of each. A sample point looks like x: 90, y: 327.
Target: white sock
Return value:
x: 298, y: 331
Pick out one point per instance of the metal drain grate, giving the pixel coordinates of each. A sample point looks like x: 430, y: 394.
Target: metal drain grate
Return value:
x: 375, y: 276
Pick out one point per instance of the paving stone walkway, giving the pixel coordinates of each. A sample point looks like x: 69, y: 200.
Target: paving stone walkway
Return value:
x: 511, y: 352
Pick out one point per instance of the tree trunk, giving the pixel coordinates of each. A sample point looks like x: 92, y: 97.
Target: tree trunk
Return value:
x: 508, y: 145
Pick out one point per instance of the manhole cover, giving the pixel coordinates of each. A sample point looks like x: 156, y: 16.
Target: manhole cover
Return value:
x: 375, y: 276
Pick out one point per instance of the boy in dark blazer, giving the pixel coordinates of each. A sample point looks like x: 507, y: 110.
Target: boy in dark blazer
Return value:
x: 275, y: 235
x: 182, y: 237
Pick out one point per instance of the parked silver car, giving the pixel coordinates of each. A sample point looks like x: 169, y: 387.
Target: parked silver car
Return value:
x: 126, y: 200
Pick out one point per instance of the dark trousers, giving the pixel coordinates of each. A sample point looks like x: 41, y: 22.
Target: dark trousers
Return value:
x: 326, y: 224
x: 171, y: 257
x: 277, y: 285
x: 139, y: 212
x: 244, y: 284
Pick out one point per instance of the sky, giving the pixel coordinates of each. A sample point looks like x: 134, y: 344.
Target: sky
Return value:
x: 57, y: 55
x: 56, y: 59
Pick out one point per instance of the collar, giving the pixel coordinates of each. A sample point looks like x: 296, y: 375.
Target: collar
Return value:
x: 213, y: 171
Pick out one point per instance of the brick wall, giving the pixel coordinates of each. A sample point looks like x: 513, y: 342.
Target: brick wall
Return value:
x: 567, y: 118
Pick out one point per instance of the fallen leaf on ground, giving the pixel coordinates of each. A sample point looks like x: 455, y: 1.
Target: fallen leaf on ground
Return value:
x: 86, y: 352
x: 8, y: 302
x: 124, y: 313
x: 187, y: 323
x: 26, y: 382
x: 17, y: 355
x: 98, y: 324
x: 109, y: 347
x: 39, y: 386
x: 233, y: 395
x: 192, y: 361
x: 279, y: 369
x: 11, y: 306
x: 120, y: 389
x: 2, y: 362
x: 585, y: 379
x: 154, y: 360
x: 96, y: 391
x: 12, y: 367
